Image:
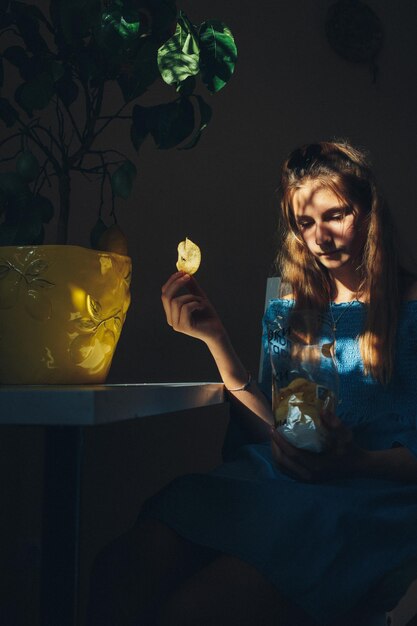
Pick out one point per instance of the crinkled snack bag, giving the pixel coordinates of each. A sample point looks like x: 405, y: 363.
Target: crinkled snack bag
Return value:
x: 189, y: 256
x: 297, y: 412
x: 304, y: 376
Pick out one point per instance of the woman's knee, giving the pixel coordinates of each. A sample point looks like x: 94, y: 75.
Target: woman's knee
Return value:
x: 209, y: 597
x: 181, y: 608
x: 125, y: 573
x: 229, y: 592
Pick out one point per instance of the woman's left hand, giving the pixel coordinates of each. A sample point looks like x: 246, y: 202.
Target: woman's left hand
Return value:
x: 342, y: 457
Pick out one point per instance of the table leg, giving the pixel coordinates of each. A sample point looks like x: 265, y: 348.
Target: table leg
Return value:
x: 61, y: 526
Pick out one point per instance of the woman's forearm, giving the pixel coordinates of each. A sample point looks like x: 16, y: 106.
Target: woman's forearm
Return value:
x: 394, y: 464
x: 235, y: 375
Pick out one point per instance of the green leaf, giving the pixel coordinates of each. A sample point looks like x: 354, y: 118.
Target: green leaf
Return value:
x: 18, y: 7
x: 27, y: 166
x: 106, y: 36
x: 173, y: 122
x: 56, y: 70
x: 33, y: 12
x: 119, y: 38
x: 34, y: 66
x: 127, y: 24
x: 186, y: 88
x: 75, y: 19
x: 35, y: 94
x: 179, y: 57
x: 130, y: 169
x: 12, y: 184
x: 218, y: 54
x: 16, y: 55
x: 7, y: 113
x: 122, y: 180
x: 141, y: 73
x: 28, y: 27
x: 205, y: 117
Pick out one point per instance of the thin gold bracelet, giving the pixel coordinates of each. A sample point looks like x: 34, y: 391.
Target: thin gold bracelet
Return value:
x: 243, y: 387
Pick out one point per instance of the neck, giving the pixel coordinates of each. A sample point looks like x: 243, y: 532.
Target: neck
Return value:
x: 345, y: 295
x: 345, y: 289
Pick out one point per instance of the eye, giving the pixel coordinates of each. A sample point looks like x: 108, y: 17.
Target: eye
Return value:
x: 336, y: 216
x: 339, y: 214
x: 304, y: 225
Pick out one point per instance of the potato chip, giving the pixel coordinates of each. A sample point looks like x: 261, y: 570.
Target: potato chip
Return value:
x: 189, y: 257
x: 305, y: 394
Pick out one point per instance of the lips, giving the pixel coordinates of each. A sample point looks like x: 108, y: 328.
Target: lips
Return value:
x: 331, y: 252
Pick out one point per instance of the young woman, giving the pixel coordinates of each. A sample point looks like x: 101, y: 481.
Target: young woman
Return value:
x: 279, y: 535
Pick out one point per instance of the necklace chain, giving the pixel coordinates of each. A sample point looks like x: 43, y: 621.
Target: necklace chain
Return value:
x: 336, y: 321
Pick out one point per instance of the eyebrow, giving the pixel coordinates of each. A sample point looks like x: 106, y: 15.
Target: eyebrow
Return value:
x: 333, y: 209
x: 342, y: 207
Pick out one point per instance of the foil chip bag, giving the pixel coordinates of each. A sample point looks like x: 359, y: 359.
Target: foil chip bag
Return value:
x: 304, y: 377
x: 297, y: 412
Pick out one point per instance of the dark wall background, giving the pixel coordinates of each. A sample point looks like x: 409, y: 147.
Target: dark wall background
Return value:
x: 289, y: 88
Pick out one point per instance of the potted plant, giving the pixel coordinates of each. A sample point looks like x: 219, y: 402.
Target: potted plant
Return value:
x: 61, y: 306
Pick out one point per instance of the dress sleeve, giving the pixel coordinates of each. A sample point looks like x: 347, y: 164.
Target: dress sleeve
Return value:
x: 408, y: 365
x: 408, y: 439
x: 386, y: 430
x: 382, y: 416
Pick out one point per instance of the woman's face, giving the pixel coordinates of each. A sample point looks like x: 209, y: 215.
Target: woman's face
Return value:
x: 331, y: 229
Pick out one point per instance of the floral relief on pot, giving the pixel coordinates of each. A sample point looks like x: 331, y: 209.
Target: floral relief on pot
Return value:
x: 62, y: 309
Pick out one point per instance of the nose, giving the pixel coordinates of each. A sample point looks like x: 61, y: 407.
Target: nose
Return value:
x: 322, y: 235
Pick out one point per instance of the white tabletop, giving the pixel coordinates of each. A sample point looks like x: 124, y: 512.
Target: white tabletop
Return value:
x: 83, y: 405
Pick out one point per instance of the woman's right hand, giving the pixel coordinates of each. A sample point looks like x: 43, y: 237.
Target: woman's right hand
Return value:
x: 190, y: 313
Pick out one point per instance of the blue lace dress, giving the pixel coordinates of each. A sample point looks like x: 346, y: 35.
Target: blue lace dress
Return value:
x: 325, y: 546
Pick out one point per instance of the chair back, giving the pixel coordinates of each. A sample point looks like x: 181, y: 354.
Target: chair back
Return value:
x: 273, y: 284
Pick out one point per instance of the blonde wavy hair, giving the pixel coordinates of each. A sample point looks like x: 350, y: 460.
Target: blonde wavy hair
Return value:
x: 346, y: 171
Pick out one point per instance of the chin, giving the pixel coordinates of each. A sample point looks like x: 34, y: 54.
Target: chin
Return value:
x: 334, y: 263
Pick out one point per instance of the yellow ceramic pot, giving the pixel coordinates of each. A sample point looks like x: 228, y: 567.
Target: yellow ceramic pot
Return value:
x: 61, y: 313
